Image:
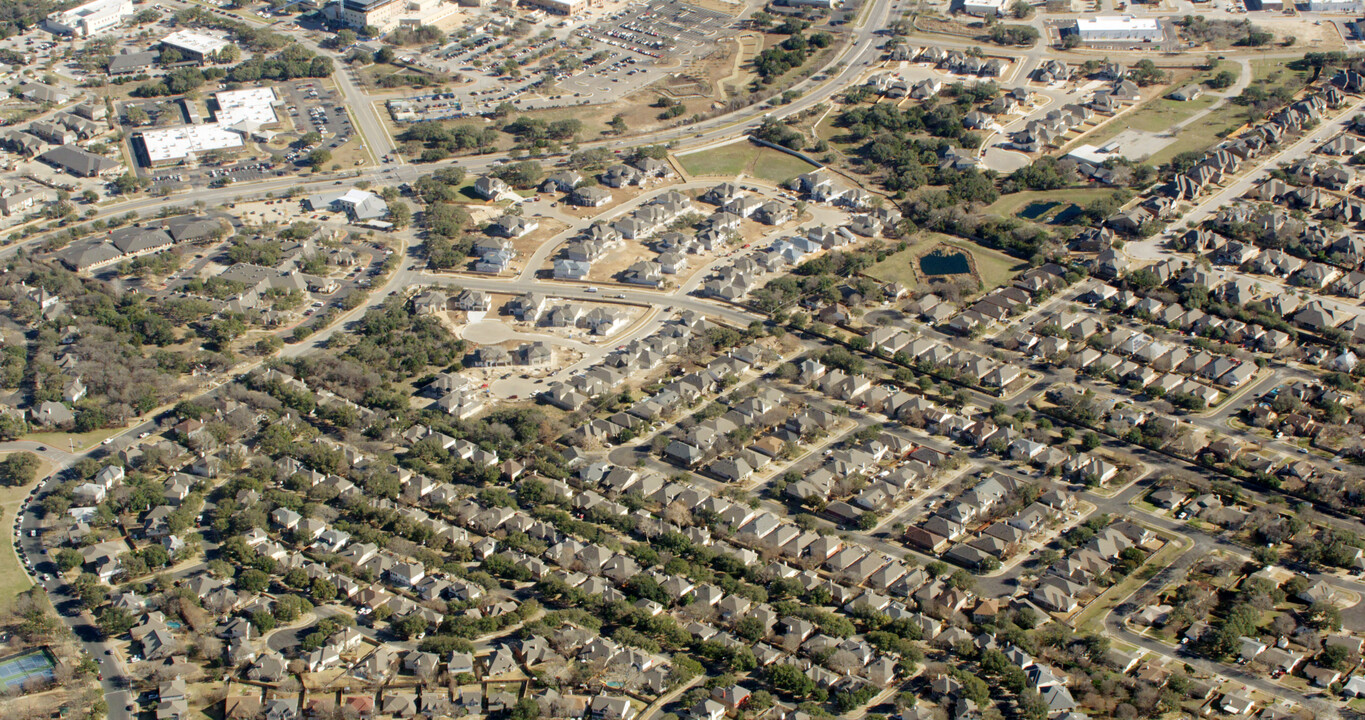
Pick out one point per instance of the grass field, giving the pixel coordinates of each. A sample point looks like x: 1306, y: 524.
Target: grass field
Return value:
x: 1059, y: 200
x: 995, y: 268
x: 13, y: 579
x: 748, y: 159
x: 1199, y: 77
x: 1094, y: 613
x: 1208, y: 131
x: 1155, y: 115
x: 78, y: 441
x: 1270, y: 73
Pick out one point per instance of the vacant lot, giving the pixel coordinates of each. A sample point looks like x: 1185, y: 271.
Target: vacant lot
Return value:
x: 1270, y: 73
x: 1202, y: 134
x: 1155, y: 115
x: 747, y: 159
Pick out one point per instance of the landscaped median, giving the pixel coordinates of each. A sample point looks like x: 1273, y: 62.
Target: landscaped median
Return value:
x: 1095, y: 612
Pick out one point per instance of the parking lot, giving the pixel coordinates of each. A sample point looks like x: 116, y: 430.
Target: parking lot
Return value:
x: 659, y: 28
x: 309, y: 106
x: 622, y: 55
x: 312, y: 107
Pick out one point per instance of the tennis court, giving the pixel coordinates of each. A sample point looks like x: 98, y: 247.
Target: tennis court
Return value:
x: 17, y: 670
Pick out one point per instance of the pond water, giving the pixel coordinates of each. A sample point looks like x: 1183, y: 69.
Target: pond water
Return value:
x: 944, y: 263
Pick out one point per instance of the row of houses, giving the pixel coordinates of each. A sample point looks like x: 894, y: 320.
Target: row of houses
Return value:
x: 125, y: 243
x: 961, y: 63
x: 632, y: 360
x: 1073, y: 580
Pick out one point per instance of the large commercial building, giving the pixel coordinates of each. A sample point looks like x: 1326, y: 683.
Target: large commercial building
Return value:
x: 558, y: 7
x: 983, y: 8
x: 194, y: 45
x: 1118, y: 28
x: 240, y: 114
x: 1346, y: 6
x: 388, y: 15
x: 91, y: 18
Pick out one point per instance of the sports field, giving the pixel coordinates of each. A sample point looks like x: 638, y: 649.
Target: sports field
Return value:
x: 33, y: 665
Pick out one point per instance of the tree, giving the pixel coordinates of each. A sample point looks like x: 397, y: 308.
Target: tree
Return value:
x: 126, y: 184
x: 289, y: 608
x: 323, y: 590
x: 962, y: 580
x: 410, y: 627
x: 1014, y: 34
x: 1090, y: 441
x: 618, y: 124
x: 399, y: 214
x: 264, y: 621
x: 1336, y: 657
x: 319, y: 157
x: 1222, y: 81
x: 113, y: 621
x: 789, y: 679
x: 69, y: 558
x: 19, y: 469
x: 89, y: 589
x: 525, y: 709
x: 253, y: 581
x: 1324, y: 615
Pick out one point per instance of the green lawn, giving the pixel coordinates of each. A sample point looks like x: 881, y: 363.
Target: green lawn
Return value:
x: 725, y: 161
x: 73, y: 442
x: 1155, y: 115
x: 748, y: 159
x: 1233, y: 67
x: 826, y: 130
x: 1209, y: 130
x: 13, y: 579
x: 1272, y: 72
x: 995, y: 268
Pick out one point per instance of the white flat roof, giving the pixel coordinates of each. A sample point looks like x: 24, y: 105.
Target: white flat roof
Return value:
x: 984, y: 3
x: 1116, y: 22
x: 179, y: 142
x: 1090, y: 154
x: 97, y: 7
x: 195, y: 42
x: 252, y: 106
